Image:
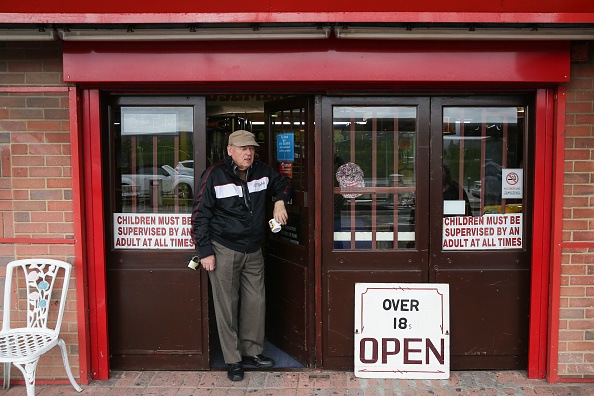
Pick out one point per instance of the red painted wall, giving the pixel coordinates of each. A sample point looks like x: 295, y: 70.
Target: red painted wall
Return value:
x: 327, y: 62
x: 190, y: 11
x: 173, y: 6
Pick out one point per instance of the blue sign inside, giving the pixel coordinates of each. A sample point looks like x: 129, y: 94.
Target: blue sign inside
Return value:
x: 285, y: 147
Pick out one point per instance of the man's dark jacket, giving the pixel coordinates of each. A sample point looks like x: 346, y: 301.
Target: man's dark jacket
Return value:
x: 224, y: 213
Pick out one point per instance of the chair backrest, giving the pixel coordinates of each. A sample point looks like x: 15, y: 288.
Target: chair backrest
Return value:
x: 40, y: 277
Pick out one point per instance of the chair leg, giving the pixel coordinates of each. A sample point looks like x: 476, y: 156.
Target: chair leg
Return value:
x: 6, y: 383
x: 29, y: 370
x: 62, y: 346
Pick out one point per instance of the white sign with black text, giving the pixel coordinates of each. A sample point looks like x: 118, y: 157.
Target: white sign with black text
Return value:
x: 512, y: 185
x: 402, y: 330
x: 152, y: 231
x: 492, y: 231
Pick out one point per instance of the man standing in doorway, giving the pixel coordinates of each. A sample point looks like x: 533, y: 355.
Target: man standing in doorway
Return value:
x: 228, y: 223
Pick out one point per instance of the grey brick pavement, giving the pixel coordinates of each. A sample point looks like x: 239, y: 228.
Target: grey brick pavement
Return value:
x: 308, y: 382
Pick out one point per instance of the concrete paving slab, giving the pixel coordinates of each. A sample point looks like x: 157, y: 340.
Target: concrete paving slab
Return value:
x: 309, y: 383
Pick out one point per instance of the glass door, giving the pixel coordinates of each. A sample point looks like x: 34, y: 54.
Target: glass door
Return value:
x: 375, y: 205
x: 479, y: 233
x: 290, y: 252
x: 430, y: 190
x: 156, y: 306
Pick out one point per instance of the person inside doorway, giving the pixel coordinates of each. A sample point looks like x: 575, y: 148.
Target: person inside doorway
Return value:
x: 228, y: 222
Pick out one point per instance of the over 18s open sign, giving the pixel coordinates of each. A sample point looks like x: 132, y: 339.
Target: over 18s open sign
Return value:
x: 402, y: 330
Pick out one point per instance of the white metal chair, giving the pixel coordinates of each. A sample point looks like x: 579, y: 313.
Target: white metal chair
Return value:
x: 24, y: 345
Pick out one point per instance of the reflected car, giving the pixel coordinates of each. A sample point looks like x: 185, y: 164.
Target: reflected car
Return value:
x: 171, y: 182
x: 185, y: 167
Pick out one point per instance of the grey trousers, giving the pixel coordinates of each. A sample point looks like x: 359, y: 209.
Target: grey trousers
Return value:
x: 239, y: 277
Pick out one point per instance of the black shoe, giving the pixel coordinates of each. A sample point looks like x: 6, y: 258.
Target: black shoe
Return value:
x: 260, y: 361
x: 235, y: 371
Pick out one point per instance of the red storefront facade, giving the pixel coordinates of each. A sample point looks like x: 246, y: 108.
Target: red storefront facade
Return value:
x: 461, y: 56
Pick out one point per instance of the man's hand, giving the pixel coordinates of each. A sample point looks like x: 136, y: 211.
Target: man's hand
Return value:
x: 208, y: 263
x: 280, y: 212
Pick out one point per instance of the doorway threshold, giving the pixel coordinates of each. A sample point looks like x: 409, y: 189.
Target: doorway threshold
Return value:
x: 282, y: 359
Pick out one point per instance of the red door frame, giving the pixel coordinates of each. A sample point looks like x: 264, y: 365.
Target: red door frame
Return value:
x: 541, y: 241
x: 254, y: 67
x: 557, y: 245
x: 95, y: 234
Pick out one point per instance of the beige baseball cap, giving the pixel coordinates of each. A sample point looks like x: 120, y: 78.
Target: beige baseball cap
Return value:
x: 242, y: 138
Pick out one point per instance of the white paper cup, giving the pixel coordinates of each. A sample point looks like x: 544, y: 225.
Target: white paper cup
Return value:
x: 274, y: 225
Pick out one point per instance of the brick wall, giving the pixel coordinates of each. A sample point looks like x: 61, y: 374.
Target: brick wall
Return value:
x: 576, y: 327
x: 35, y: 174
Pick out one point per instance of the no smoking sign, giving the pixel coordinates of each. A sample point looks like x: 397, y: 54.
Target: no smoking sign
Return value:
x: 512, y: 184
x: 512, y: 178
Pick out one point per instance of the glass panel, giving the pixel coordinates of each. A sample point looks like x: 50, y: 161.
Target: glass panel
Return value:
x: 288, y: 128
x: 483, y: 177
x: 291, y: 125
x: 218, y: 130
x: 155, y: 159
x: 375, y: 177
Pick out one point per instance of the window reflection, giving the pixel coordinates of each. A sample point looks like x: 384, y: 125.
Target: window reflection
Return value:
x: 154, y: 154
x: 380, y: 142
x: 479, y: 143
x: 482, y: 178
x: 455, y: 197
